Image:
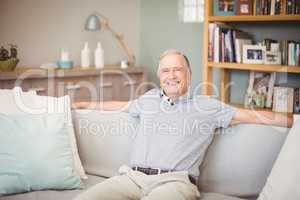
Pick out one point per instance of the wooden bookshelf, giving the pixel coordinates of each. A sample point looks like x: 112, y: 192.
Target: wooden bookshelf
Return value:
x: 237, y: 105
x: 226, y: 68
x: 255, y: 67
x: 257, y: 109
x: 258, y: 18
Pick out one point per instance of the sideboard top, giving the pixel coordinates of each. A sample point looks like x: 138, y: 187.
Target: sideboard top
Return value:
x: 27, y: 72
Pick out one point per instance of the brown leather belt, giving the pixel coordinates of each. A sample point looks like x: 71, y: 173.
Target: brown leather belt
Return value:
x: 150, y: 171
x: 156, y: 171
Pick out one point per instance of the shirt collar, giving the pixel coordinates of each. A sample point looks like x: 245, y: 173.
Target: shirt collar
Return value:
x: 179, y: 99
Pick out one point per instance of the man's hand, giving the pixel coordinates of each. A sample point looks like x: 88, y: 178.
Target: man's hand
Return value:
x: 79, y: 105
x: 262, y: 117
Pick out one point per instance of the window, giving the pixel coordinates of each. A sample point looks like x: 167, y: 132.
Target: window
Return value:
x: 191, y: 11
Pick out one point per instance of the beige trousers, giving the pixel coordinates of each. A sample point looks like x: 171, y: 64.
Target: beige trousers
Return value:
x: 135, y: 185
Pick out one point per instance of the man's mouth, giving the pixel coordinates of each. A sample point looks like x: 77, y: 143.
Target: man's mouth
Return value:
x: 172, y: 83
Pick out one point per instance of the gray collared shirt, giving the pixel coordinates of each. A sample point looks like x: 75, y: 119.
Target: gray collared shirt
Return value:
x: 175, y: 136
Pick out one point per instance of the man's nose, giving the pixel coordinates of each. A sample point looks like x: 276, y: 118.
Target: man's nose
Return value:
x: 172, y: 74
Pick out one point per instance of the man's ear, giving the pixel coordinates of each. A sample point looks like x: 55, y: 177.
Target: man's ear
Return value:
x: 189, y: 77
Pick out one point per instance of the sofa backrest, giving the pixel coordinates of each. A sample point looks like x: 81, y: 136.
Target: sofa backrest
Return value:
x: 237, y: 162
x: 240, y: 159
x: 104, y: 140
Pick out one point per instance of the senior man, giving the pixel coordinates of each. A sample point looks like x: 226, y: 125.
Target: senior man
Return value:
x: 175, y: 131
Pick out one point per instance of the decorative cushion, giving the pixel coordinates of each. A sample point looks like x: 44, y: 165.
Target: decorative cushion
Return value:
x: 50, y: 105
x: 284, y: 179
x: 17, y: 102
x: 35, y: 154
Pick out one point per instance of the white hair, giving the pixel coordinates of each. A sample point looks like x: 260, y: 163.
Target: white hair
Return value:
x: 173, y: 52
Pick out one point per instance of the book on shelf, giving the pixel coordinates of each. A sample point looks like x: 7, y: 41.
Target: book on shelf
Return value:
x: 239, y: 43
x: 293, y: 53
x: 283, y: 99
x: 276, y: 7
x: 292, y: 7
x: 290, y: 53
x: 225, y: 43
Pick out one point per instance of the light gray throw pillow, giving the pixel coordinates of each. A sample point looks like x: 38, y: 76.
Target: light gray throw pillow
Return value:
x: 284, y: 180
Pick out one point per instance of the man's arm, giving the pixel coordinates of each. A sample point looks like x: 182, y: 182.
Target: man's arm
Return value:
x: 103, y: 105
x: 262, y: 117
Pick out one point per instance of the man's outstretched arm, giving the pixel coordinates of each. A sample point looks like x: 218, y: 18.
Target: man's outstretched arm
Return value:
x: 262, y: 117
x: 103, y: 105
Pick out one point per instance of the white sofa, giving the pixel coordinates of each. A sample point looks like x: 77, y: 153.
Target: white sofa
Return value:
x: 235, y: 167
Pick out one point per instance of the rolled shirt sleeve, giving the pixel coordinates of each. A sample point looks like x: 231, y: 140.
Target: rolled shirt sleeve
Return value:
x: 224, y: 114
x: 134, y: 108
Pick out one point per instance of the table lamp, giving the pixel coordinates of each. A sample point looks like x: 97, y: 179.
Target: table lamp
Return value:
x: 96, y: 21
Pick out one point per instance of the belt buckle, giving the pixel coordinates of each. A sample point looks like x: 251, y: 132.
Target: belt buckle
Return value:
x: 158, y: 170
x: 135, y: 168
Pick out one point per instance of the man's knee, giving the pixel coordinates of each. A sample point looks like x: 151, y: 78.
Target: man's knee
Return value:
x: 173, y: 191
x: 116, y: 188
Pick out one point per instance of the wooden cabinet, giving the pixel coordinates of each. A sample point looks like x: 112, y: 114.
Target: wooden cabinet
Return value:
x: 90, y: 84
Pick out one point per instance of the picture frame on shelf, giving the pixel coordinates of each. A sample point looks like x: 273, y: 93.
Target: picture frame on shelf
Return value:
x: 283, y: 99
x: 260, y: 86
x: 244, y: 7
x: 297, y: 100
x: 224, y: 7
x: 254, y: 54
x: 272, y: 58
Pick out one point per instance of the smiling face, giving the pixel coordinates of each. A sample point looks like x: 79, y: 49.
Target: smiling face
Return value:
x: 174, y: 75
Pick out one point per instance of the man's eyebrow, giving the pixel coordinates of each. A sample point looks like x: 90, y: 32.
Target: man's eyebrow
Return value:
x: 177, y: 66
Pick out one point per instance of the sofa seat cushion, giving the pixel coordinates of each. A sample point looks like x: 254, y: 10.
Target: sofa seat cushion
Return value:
x: 216, y: 196
x: 54, y: 194
x: 91, y: 181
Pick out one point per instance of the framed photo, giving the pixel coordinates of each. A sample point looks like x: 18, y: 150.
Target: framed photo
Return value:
x: 254, y: 54
x: 297, y: 100
x: 283, y: 99
x: 244, y: 7
x: 272, y: 58
x: 224, y: 7
x: 260, y: 83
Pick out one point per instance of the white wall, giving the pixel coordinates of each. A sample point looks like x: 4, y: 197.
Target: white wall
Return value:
x: 41, y: 28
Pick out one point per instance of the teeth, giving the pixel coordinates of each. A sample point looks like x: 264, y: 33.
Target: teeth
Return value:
x: 172, y: 82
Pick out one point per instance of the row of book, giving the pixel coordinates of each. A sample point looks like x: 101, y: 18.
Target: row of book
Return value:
x: 276, y: 7
x: 290, y: 53
x: 225, y: 44
x: 292, y: 7
x: 290, y: 50
x: 256, y: 7
x: 286, y: 99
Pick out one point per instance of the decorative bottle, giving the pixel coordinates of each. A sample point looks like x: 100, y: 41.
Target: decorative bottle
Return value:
x: 99, y: 56
x: 85, y: 56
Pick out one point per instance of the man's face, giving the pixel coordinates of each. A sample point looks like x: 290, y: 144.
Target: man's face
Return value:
x: 174, y: 75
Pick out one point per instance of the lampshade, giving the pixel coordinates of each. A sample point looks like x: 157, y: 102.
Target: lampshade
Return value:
x: 96, y: 21
x: 93, y: 23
